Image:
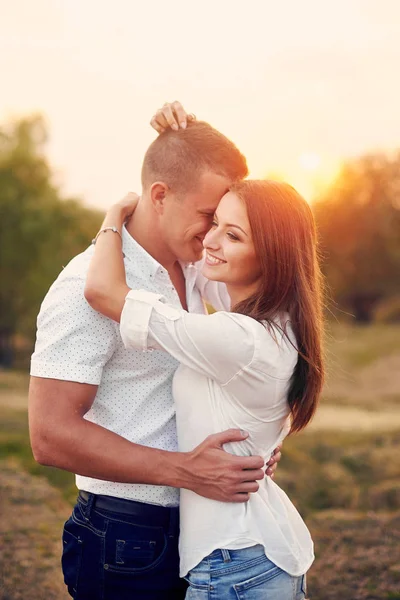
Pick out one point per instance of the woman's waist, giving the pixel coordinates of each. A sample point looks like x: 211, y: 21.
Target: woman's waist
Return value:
x: 262, y: 438
x: 269, y: 504
x: 272, y: 522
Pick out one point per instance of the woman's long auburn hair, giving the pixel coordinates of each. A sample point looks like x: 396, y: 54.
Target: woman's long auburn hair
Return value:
x: 285, y: 241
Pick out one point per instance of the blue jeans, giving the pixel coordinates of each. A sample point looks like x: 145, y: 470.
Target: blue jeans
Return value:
x: 242, y: 575
x: 114, y: 556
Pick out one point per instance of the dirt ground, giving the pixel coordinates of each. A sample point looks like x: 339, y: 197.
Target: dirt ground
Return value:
x: 358, y: 556
x: 31, y: 520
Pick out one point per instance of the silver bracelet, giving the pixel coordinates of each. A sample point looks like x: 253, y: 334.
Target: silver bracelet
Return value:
x: 114, y: 229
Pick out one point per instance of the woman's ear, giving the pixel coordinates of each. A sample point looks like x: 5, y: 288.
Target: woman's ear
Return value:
x: 158, y: 193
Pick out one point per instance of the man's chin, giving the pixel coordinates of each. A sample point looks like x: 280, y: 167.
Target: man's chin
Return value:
x: 190, y: 253
x: 195, y: 255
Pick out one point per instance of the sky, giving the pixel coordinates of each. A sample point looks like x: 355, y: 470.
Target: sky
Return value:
x: 298, y: 86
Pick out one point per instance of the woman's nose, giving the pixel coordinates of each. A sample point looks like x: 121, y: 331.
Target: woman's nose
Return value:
x: 210, y: 240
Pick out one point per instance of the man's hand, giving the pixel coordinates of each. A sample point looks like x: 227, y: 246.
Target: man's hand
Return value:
x: 171, y: 115
x: 211, y: 472
x: 272, y: 464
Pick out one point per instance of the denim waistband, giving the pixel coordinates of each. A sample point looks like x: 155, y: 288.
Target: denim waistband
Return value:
x: 223, y: 556
x: 149, y: 514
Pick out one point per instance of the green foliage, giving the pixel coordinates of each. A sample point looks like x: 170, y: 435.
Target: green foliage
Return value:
x: 359, y: 224
x: 39, y: 230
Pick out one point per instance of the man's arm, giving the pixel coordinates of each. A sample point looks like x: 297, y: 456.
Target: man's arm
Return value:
x: 61, y: 437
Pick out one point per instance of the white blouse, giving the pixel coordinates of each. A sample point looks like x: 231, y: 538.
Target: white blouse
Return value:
x: 234, y: 373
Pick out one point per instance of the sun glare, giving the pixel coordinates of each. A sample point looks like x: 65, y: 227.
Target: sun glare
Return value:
x: 310, y: 173
x: 309, y: 161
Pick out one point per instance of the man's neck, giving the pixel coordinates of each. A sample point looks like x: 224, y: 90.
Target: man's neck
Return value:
x: 145, y: 232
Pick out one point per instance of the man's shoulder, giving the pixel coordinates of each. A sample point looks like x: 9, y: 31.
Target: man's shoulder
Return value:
x: 67, y: 289
x: 78, y: 266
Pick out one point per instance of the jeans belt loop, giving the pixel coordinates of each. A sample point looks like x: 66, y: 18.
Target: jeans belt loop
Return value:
x: 225, y: 555
x: 173, y: 521
x: 89, y: 506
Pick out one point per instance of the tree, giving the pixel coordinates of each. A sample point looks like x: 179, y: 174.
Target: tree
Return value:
x: 39, y: 231
x: 359, y: 225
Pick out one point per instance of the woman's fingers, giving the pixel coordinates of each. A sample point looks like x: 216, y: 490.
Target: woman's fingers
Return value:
x: 273, y: 461
x: 180, y: 113
x: 171, y: 115
x: 159, y: 122
x: 126, y: 206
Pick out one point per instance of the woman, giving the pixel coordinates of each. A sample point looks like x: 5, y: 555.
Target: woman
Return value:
x: 258, y: 367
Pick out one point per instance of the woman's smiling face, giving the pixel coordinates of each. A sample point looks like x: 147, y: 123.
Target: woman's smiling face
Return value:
x: 230, y: 253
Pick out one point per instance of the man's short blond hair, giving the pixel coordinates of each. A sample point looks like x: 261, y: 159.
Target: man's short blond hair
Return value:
x: 178, y: 158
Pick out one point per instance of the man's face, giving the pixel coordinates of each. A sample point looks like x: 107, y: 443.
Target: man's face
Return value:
x: 187, y: 219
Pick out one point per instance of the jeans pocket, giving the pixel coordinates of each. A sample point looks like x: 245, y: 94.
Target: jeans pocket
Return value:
x: 197, y: 592
x: 273, y: 584
x: 71, y: 560
x: 79, y: 519
x: 302, y: 595
x: 131, y: 548
x: 197, y: 584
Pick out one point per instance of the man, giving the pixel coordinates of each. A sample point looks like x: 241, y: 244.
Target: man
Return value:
x: 106, y: 413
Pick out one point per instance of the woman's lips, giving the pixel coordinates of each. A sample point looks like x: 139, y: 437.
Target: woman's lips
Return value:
x: 213, y: 260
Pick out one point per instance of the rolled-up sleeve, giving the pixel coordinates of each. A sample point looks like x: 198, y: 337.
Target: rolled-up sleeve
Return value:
x: 73, y: 341
x: 218, y: 345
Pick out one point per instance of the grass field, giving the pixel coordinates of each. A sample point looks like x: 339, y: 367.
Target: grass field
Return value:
x: 343, y: 473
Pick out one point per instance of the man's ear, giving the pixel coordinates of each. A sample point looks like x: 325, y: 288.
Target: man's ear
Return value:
x: 158, y: 193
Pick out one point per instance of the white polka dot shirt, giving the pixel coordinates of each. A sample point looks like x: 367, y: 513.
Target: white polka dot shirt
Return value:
x: 134, y: 396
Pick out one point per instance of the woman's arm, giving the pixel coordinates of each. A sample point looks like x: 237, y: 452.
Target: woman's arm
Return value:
x: 106, y: 286
x: 218, y: 346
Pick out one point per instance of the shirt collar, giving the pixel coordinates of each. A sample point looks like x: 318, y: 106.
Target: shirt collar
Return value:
x: 136, y: 254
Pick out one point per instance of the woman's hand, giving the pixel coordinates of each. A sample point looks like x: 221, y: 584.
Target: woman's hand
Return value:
x: 106, y: 286
x: 171, y: 115
x: 120, y: 212
x: 272, y: 464
x: 125, y: 207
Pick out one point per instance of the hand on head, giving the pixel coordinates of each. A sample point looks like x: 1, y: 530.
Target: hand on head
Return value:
x: 171, y: 115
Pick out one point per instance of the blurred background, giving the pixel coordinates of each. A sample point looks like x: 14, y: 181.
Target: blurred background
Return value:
x: 310, y: 93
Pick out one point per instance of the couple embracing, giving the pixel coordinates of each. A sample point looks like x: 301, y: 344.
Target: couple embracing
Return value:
x: 167, y: 415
